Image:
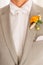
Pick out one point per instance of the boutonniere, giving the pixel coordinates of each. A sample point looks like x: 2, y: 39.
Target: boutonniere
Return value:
x: 35, y: 21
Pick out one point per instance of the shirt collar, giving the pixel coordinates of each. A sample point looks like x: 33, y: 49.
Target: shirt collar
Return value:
x: 25, y: 8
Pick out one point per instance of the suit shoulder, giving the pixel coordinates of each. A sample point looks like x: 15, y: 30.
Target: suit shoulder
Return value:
x: 37, y: 7
x: 4, y: 9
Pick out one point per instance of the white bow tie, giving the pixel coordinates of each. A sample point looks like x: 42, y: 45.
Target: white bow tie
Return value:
x: 19, y: 11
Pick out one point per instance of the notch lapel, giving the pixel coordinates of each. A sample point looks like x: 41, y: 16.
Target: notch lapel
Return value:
x: 5, y: 23
x: 30, y: 35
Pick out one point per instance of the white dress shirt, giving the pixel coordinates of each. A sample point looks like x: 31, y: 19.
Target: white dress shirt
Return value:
x: 18, y: 21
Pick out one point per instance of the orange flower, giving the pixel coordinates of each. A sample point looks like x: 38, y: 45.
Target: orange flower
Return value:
x: 34, y: 19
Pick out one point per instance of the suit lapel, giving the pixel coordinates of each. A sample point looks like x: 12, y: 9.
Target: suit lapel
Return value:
x: 30, y: 36
x: 5, y: 22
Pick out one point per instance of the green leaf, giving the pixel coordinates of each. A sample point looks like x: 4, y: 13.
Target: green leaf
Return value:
x: 39, y: 22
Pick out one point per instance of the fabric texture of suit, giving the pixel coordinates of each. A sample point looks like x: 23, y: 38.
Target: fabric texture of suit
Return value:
x: 33, y: 50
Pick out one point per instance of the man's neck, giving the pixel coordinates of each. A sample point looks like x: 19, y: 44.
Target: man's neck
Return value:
x: 19, y: 3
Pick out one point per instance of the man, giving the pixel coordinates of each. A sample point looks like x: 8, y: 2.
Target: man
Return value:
x: 18, y: 45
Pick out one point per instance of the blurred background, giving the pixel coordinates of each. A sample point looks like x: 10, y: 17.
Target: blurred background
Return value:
x: 6, y: 2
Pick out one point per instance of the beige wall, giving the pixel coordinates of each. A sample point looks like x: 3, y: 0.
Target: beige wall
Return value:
x: 5, y: 2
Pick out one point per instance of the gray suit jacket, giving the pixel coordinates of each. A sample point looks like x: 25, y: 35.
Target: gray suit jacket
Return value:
x: 32, y: 52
